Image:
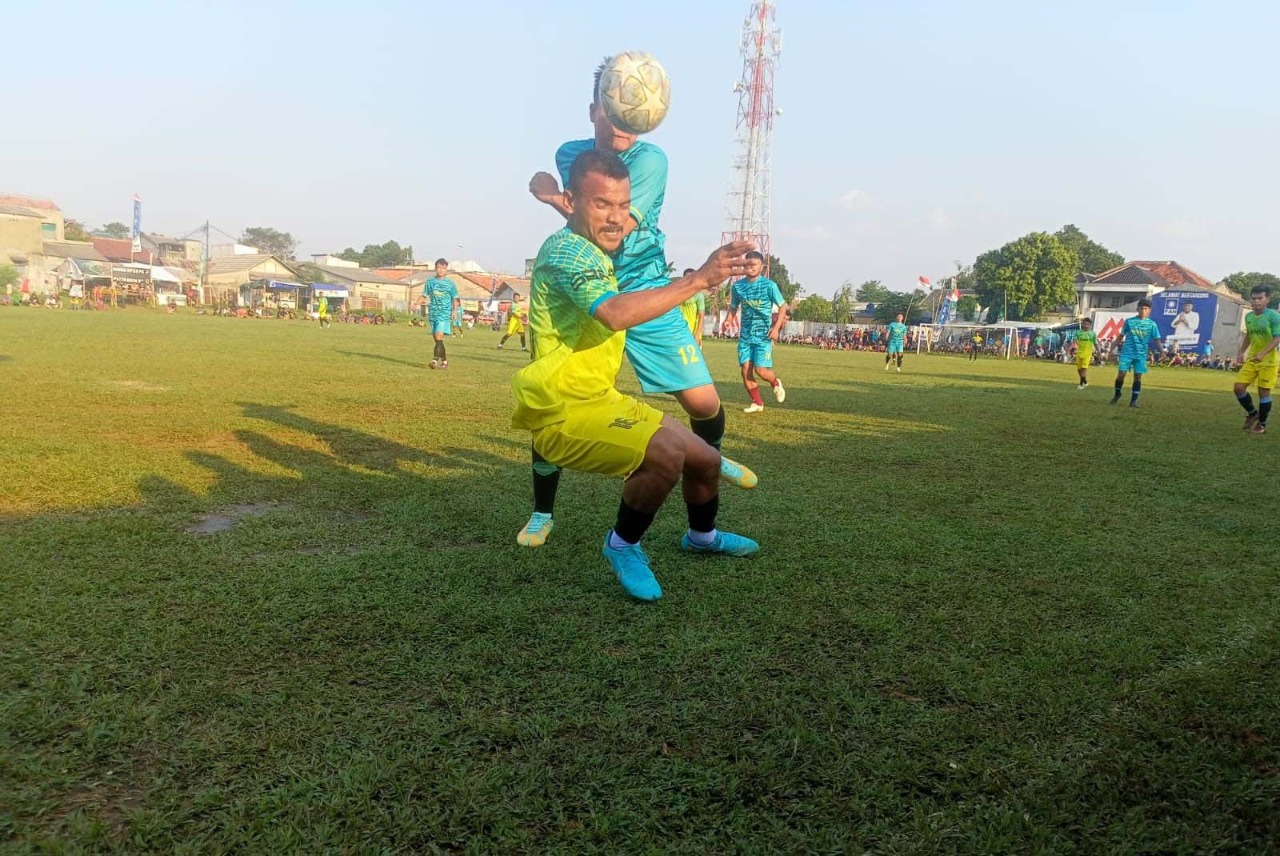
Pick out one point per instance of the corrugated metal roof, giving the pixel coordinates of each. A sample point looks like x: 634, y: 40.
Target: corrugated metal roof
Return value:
x: 357, y: 275
x: 72, y: 250
x: 237, y: 263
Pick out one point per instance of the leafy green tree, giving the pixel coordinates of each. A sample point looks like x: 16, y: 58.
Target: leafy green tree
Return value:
x: 813, y: 307
x: 1242, y: 283
x: 778, y: 273
x: 73, y: 230
x: 842, y: 304
x: 900, y: 303
x: 1093, y: 257
x: 270, y: 240
x: 389, y: 254
x: 873, y: 291
x: 115, y: 230
x: 8, y: 276
x: 1034, y: 274
x: 967, y: 307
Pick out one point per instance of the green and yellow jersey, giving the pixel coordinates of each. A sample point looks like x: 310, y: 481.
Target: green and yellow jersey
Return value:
x: 1260, y: 330
x: 1085, y: 342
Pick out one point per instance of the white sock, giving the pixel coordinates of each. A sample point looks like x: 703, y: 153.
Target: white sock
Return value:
x: 702, y: 539
x: 617, y: 543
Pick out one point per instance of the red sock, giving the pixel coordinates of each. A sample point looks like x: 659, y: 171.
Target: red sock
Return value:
x: 755, y: 395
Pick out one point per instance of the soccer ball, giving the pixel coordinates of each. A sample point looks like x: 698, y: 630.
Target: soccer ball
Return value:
x: 634, y: 92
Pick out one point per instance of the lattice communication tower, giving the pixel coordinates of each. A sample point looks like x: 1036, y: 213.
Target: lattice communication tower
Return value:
x: 748, y: 209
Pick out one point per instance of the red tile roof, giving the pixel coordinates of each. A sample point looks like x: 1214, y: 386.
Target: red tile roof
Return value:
x: 399, y: 274
x: 121, y: 250
x: 486, y: 280
x: 27, y: 202
x: 1165, y: 274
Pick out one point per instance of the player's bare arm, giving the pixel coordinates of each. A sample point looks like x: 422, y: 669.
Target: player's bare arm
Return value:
x: 629, y: 309
x: 784, y: 312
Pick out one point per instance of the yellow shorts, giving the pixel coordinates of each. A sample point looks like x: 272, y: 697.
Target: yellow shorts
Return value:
x: 514, y: 326
x: 1263, y: 373
x: 1082, y: 362
x: 609, y: 438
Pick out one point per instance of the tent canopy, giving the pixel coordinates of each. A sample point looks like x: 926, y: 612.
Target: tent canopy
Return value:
x: 328, y: 290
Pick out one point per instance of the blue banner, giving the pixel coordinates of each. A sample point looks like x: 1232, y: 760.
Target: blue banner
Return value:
x: 1185, y: 318
x: 137, y: 224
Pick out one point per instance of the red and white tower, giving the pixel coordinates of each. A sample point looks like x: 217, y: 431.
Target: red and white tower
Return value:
x: 748, y: 210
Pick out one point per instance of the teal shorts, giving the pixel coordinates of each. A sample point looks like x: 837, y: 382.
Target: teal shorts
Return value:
x: 895, y: 348
x: 758, y: 352
x: 1137, y: 363
x: 665, y: 356
x: 440, y: 327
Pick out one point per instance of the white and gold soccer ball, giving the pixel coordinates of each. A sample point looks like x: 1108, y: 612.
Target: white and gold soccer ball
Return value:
x: 634, y: 92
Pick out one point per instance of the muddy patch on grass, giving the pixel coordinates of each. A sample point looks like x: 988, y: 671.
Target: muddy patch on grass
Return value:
x: 226, y: 519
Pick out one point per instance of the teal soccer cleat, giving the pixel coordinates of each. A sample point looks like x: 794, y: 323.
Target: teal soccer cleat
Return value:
x: 632, y: 567
x: 725, y: 544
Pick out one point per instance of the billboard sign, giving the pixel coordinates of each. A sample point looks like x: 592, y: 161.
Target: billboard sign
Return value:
x: 1185, y: 318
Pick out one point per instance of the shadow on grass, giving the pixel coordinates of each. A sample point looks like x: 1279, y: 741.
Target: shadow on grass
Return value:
x: 384, y: 358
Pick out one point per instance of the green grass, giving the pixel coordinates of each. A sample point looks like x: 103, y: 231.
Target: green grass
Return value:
x: 991, y: 613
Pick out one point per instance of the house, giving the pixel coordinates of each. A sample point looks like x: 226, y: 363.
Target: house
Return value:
x: 62, y: 264
x: 178, y: 252
x: 225, y: 274
x: 121, y: 250
x: 25, y: 224
x: 368, y: 290
x: 1131, y: 281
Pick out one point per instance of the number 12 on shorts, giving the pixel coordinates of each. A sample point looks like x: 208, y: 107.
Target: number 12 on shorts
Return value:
x: 688, y: 354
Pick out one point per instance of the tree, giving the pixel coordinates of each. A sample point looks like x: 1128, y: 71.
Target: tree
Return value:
x: 1032, y: 275
x: 1242, y: 283
x: 74, y: 230
x: 873, y: 291
x: 813, y: 307
x: 967, y: 307
x: 842, y: 304
x: 389, y: 254
x: 8, y: 276
x: 1093, y: 257
x: 778, y: 273
x: 899, y: 303
x: 270, y: 240
x: 115, y: 230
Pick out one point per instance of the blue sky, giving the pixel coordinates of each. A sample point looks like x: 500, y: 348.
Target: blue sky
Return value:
x: 913, y: 134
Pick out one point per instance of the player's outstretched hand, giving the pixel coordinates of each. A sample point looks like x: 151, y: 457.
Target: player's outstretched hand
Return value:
x: 543, y: 186
x: 728, y: 262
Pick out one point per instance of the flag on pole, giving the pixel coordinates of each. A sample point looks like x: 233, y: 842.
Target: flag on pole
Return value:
x: 925, y: 282
x: 137, y: 223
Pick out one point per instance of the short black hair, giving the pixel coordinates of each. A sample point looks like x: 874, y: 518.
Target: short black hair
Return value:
x: 1085, y: 321
x: 444, y: 262
x: 1261, y: 289
x: 688, y: 271
x: 595, y: 79
x: 755, y: 254
x: 1144, y: 302
x: 594, y: 160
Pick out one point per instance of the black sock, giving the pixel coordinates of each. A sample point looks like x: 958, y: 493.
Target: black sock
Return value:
x: 522, y: 344
x: 899, y: 360
x: 1264, y: 410
x: 546, y: 481
x: 631, y: 524
x: 438, y: 352
x: 711, y: 429
x: 1137, y: 390
x: 1246, y: 401
x: 503, y: 341
x: 440, y: 348
x: 702, y: 518
x: 1120, y: 386
x: 887, y: 357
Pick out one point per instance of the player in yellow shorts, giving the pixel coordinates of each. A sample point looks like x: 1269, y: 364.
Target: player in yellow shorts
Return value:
x: 566, y: 398
x: 1086, y: 339
x: 515, y: 324
x: 1259, y: 359
x: 694, y: 310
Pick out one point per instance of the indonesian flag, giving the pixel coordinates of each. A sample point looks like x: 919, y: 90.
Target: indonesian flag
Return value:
x: 925, y: 282
x: 955, y: 292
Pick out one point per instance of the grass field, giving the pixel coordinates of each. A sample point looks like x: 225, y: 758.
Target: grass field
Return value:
x: 990, y: 613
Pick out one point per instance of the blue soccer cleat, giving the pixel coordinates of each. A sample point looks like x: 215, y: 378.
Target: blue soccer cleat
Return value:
x: 632, y: 567
x: 725, y: 544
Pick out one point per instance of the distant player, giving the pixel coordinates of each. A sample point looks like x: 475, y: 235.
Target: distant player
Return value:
x: 458, y: 321
x: 566, y: 396
x: 897, y: 338
x: 441, y: 297
x: 1258, y: 358
x: 663, y: 352
x: 1135, y: 339
x: 975, y: 345
x: 754, y: 299
x: 1086, y: 340
x: 515, y: 324
x: 694, y: 310
x: 323, y: 311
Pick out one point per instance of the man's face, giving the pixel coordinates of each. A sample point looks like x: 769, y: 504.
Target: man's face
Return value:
x: 1258, y: 302
x: 609, y: 138
x: 899, y: 319
x: 441, y: 270
x: 599, y: 210
x: 1144, y: 311
x: 1186, y: 307
x: 754, y: 266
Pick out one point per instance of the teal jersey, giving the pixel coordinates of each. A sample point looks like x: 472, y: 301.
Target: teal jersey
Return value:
x: 440, y: 293
x: 757, y: 300
x: 1261, y: 329
x: 642, y: 260
x: 1138, y: 333
x: 897, y: 333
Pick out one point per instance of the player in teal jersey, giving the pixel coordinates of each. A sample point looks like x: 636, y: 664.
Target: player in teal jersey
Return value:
x: 441, y: 297
x: 457, y: 321
x: 663, y: 352
x: 1137, y: 335
x: 897, y: 338
x: 1259, y: 359
x: 754, y: 299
